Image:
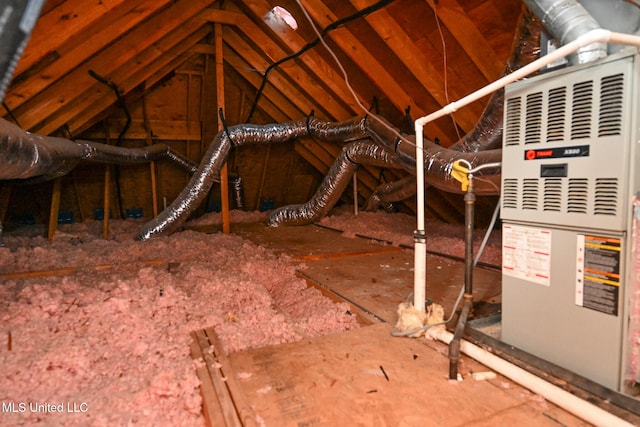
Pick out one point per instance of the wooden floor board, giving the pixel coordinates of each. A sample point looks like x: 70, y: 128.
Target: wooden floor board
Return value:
x: 366, y: 376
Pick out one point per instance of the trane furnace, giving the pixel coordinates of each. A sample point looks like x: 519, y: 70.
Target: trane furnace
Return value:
x: 570, y: 176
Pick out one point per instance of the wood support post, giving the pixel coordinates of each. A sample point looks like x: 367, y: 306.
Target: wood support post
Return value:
x: 224, y: 174
x: 152, y: 164
x: 55, y: 208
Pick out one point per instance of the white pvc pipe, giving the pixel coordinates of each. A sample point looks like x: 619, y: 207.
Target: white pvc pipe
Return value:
x: 420, y: 245
x: 554, y: 394
x: 593, y: 36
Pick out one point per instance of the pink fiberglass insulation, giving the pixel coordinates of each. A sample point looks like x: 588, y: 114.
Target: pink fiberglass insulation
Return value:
x: 108, y: 343
x: 398, y: 228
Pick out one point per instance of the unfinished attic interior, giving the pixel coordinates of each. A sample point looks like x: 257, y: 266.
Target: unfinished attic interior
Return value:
x: 304, y: 212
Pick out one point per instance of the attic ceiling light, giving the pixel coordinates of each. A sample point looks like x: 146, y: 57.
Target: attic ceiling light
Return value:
x: 280, y: 18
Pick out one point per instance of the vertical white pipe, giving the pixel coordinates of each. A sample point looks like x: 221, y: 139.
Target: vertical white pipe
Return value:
x: 420, y: 244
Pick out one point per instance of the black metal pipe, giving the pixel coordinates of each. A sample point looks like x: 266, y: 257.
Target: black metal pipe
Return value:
x: 469, y: 206
x: 454, y: 345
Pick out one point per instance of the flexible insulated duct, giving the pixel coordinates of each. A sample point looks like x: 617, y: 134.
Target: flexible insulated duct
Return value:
x: 334, y: 183
x: 567, y: 20
x: 27, y: 155
x: 391, y: 192
x: 438, y: 161
x: 216, y: 155
x: 238, y: 192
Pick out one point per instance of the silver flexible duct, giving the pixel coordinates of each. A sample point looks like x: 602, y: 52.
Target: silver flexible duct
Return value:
x: 238, y: 192
x: 208, y: 172
x: 337, y: 179
x: 392, y: 192
x: 439, y: 161
x: 567, y: 20
x: 27, y: 155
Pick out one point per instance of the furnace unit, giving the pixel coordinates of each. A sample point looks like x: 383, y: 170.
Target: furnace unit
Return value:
x: 570, y: 174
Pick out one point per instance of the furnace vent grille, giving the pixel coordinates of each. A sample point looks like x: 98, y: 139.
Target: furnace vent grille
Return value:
x: 578, y: 195
x: 611, y: 97
x: 512, y: 126
x: 554, y: 116
x: 510, y: 192
x: 582, y: 109
x: 606, y: 196
x: 568, y: 151
x: 561, y: 195
x: 533, y: 125
x: 530, y: 194
x: 552, y: 200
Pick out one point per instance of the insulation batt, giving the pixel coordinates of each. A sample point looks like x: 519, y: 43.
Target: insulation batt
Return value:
x: 114, y: 340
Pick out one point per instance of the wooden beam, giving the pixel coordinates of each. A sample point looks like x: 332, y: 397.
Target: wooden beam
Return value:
x: 248, y: 82
x: 429, y: 74
x: 112, y: 59
x: 55, y: 208
x: 76, y: 17
x: 72, y: 53
x: 469, y: 37
x: 278, y: 77
x: 270, y: 93
x: 79, y: 114
x: 323, y: 71
x: 319, y: 93
x: 166, y: 130
x: 224, y: 174
x: 375, y: 70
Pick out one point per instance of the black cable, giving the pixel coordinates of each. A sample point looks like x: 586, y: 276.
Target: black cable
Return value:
x: 224, y: 125
x: 120, y: 102
x: 10, y: 112
x: 123, y: 105
x: 334, y: 25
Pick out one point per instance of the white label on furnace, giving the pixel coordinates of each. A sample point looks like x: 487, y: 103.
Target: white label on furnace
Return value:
x: 526, y: 253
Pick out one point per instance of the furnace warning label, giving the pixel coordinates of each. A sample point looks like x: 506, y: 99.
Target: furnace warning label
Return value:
x: 526, y: 253
x: 598, y: 273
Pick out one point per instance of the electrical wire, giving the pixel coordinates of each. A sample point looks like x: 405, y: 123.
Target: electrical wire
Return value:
x: 346, y: 80
x: 445, y: 67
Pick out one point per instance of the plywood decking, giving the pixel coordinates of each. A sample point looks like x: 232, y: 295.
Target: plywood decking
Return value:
x: 365, y: 376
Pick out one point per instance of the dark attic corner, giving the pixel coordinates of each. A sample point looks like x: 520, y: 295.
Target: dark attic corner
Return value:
x: 319, y: 212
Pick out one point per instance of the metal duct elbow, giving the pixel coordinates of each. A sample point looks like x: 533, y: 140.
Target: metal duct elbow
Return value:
x: 567, y: 20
